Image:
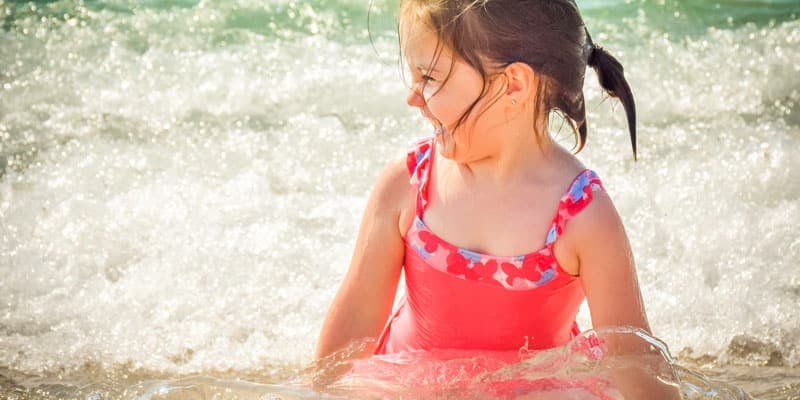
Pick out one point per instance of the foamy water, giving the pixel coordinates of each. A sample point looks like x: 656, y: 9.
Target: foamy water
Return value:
x: 182, y: 184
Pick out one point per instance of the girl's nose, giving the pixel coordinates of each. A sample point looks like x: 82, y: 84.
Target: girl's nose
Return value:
x: 415, y: 98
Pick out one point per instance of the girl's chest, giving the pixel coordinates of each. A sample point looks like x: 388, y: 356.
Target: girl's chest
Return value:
x: 502, y: 225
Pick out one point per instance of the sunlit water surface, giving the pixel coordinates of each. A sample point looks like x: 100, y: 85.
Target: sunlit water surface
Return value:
x: 181, y: 183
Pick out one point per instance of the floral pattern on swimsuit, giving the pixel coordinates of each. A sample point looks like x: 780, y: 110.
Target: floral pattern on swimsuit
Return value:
x: 511, y: 272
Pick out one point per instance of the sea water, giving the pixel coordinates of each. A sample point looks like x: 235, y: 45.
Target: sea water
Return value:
x: 181, y: 183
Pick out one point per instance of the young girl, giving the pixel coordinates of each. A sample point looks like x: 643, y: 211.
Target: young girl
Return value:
x: 500, y: 230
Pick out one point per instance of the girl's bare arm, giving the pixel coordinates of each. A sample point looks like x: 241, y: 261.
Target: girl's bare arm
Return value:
x: 606, y: 266
x: 365, y: 298
x: 612, y: 290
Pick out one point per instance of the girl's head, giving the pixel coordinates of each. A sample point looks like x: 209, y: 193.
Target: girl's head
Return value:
x: 501, y: 58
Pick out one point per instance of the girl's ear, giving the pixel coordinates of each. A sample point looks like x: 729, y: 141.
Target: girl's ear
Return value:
x: 521, y: 80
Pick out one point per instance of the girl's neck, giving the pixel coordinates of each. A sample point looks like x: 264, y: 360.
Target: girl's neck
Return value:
x: 520, y: 158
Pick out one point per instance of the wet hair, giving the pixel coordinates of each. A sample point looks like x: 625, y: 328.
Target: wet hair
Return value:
x: 547, y: 35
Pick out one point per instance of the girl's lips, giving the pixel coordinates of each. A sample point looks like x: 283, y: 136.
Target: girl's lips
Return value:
x: 438, y: 126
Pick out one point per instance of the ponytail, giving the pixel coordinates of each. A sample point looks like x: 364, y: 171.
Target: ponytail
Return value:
x: 610, y: 74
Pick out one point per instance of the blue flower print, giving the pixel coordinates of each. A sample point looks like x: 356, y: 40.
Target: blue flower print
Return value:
x: 547, y: 276
x: 576, y: 191
x: 421, y: 156
x: 421, y: 251
x: 472, y: 256
x: 551, y: 235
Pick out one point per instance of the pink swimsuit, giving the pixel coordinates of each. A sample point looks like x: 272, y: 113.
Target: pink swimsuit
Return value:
x: 460, y: 299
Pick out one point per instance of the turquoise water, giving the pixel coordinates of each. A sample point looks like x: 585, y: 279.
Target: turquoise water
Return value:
x: 181, y: 183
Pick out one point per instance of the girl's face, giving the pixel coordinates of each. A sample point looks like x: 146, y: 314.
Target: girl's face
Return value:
x: 443, y: 105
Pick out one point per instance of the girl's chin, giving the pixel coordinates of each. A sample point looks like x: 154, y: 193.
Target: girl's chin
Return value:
x: 445, y: 146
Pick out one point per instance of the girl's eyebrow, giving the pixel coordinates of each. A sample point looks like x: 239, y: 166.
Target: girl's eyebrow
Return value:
x: 427, y: 67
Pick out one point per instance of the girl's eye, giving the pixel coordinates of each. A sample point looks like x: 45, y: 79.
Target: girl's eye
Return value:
x: 428, y: 78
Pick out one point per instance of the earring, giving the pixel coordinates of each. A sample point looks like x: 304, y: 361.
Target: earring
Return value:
x: 513, y: 102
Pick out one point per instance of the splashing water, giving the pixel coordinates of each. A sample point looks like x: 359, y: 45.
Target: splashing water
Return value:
x: 585, y: 368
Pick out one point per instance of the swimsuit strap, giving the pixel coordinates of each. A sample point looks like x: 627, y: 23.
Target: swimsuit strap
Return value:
x: 578, y: 196
x: 419, y: 161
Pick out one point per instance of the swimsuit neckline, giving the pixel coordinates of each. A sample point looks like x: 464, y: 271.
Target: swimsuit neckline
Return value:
x: 516, y: 272
x: 545, y: 249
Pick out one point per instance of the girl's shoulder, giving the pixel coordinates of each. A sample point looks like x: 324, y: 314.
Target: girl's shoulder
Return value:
x: 584, y: 189
x: 393, y: 194
x: 593, y: 218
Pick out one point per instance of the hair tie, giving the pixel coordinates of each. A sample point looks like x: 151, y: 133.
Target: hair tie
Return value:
x: 590, y: 47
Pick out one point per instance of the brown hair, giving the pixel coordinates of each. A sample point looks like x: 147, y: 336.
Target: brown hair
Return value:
x: 547, y: 35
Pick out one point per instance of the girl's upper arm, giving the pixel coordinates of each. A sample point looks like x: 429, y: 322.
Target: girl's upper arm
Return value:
x: 365, y: 298
x: 606, y: 266
x: 609, y: 281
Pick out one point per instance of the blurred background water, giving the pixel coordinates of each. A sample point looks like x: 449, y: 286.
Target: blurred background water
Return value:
x: 181, y: 181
